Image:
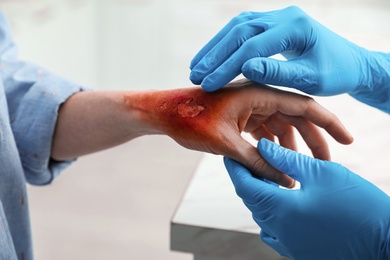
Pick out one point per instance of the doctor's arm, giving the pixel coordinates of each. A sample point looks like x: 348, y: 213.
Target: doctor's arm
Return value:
x: 335, y: 214
x: 91, y: 121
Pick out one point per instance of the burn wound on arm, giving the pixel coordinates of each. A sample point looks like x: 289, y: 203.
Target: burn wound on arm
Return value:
x: 177, y: 112
x: 189, y: 109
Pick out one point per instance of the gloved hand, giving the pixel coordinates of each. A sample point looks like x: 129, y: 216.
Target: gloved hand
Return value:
x: 320, y: 62
x: 334, y: 215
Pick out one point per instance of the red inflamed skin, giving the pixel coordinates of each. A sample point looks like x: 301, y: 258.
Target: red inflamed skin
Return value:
x: 213, y: 122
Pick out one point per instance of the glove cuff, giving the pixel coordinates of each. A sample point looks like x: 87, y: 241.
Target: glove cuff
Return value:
x: 376, y: 90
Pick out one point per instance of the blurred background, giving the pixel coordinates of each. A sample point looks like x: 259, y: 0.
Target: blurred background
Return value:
x: 117, y: 204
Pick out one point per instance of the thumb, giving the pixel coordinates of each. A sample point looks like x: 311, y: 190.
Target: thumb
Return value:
x: 291, y: 74
x: 287, y: 161
x: 246, y: 154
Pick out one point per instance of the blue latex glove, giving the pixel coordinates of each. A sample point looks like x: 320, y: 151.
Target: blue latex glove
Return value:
x: 320, y: 62
x: 334, y: 215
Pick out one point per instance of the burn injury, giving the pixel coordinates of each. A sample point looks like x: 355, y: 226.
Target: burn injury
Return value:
x: 189, y: 108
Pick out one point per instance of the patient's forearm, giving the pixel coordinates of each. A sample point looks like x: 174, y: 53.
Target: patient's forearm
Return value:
x: 91, y: 121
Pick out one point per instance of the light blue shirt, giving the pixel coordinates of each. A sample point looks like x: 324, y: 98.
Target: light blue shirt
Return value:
x: 29, y: 100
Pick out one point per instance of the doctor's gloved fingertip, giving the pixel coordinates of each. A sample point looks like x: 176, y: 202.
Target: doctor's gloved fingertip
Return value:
x: 209, y: 87
x: 266, y: 145
x: 192, y: 64
x: 258, y: 70
x: 195, y: 77
x: 226, y: 160
x: 253, y: 69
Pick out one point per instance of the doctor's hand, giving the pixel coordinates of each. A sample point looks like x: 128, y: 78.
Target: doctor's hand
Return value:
x: 334, y: 215
x: 320, y: 62
x: 213, y: 122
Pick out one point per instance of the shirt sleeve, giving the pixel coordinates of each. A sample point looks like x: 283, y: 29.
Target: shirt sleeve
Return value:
x: 34, y: 96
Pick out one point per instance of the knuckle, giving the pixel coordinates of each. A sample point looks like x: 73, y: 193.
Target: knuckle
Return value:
x: 307, y: 103
x: 244, y: 14
x: 249, y: 46
x: 310, y: 101
x: 240, y: 29
x: 294, y: 9
x: 297, y: 15
x: 241, y: 18
x: 303, y: 20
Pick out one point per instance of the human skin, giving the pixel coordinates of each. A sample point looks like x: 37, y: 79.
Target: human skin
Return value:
x: 207, y: 122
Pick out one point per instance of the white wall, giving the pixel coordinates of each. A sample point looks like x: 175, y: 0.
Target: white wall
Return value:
x: 57, y: 36
x: 109, y: 44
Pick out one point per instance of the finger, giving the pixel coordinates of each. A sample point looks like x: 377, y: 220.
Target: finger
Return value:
x: 262, y: 132
x: 298, y: 105
x: 265, y: 44
x: 291, y: 74
x: 287, y: 138
x: 247, y: 155
x: 255, y: 126
x: 239, y: 19
x: 312, y: 136
x: 284, y: 131
x: 259, y: 127
x: 328, y: 121
x: 226, y: 46
x: 295, y: 165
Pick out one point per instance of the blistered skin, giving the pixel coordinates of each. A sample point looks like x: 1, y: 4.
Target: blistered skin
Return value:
x: 182, y: 109
x: 187, y: 112
x: 190, y: 108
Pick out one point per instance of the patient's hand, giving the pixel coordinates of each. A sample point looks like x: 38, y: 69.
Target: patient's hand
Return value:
x: 213, y: 122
